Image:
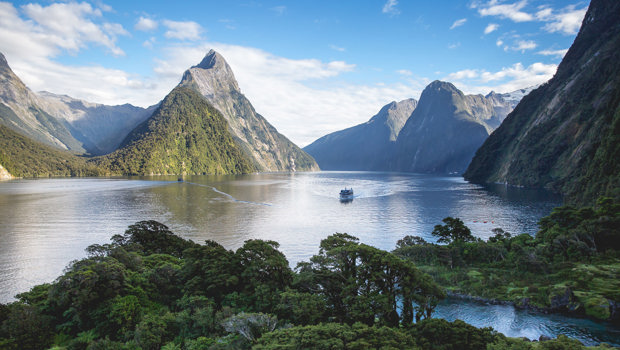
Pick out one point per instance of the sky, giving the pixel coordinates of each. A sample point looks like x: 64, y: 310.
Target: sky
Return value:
x: 310, y: 67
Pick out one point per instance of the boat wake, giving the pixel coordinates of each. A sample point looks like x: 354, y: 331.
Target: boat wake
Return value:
x: 227, y: 195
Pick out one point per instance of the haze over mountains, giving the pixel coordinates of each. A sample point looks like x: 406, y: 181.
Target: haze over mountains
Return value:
x: 438, y: 134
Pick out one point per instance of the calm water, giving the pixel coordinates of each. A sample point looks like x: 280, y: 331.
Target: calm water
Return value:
x: 44, y: 224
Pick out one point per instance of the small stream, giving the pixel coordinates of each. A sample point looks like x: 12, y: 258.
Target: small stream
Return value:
x: 518, y: 323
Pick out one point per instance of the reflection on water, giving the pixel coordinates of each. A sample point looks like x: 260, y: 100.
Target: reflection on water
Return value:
x: 520, y: 323
x: 44, y: 224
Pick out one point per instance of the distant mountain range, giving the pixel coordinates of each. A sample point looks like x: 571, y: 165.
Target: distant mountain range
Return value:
x: 565, y: 135
x: 62, y: 121
x: 438, y: 134
x: 366, y: 146
x: 132, y: 140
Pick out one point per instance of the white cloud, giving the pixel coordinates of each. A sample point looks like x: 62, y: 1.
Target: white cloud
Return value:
x: 337, y: 48
x: 150, y: 42
x: 499, y: 42
x: 458, y: 23
x: 509, y: 11
x: 390, y: 7
x: 567, y: 21
x: 491, y: 28
x: 188, y: 30
x: 557, y: 53
x: 57, y: 27
x: 523, y: 45
x: 294, y: 92
x: 405, y: 72
x: 454, y: 45
x: 146, y: 24
x: 505, y: 80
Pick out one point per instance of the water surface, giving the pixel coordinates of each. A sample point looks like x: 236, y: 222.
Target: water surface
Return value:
x: 45, y: 224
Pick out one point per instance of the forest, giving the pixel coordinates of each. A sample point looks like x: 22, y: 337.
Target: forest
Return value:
x: 151, y: 289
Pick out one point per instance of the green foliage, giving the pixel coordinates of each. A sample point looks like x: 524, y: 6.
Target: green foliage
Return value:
x: 152, y: 237
x: 185, y: 135
x: 336, y: 336
x: 571, y: 264
x: 443, y: 335
x: 23, y: 157
x: 454, y: 230
x: 565, y: 135
x: 363, y: 284
x: 150, y: 289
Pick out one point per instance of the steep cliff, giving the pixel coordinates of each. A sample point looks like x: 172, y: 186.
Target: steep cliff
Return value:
x: 269, y: 150
x: 366, y: 146
x: 565, y: 135
x: 185, y: 135
x: 444, y: 131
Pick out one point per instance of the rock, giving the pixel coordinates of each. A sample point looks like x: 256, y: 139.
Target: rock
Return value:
x: 271, y: 151
x: 4, y: 174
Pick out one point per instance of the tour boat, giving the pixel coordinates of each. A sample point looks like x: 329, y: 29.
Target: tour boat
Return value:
x: 346, y: 194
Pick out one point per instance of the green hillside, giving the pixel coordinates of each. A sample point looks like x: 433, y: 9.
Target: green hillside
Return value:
x: 24, y: 157
x: 185, y: 135
x: 565, y: 135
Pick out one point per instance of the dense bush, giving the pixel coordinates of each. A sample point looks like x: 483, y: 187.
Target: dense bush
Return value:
x: 570, y: 265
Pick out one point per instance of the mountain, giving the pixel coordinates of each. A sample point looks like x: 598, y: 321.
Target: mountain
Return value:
x: 23, y: 157
x: 185, y: 135
x: 565, y: 135
x: 62, y: 121
x: 444, y: 130
x: 268, y: 149
x: 100, y: 128
x: 364, y: 146
x: 20, y: 110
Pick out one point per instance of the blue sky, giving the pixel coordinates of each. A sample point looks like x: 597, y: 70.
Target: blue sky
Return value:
x: 310, y: 67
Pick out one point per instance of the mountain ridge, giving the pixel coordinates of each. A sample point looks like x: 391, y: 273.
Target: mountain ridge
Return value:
x: 564, y: 135
x: 185, y: 135
x: 363, y: 146
x: 368, y: 146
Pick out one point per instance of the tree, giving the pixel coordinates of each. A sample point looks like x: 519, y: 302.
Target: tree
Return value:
x: 454, y: 230
x: 152, y: 237
x: 364, y: 284
x: 250, y: 325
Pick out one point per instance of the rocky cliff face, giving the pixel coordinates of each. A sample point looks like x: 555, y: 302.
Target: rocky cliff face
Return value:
x: 4, y: 174
x: 100, y: 128
x: 20, y: 110
x: 444, y: 131
x: 565, y: 135
x: 440, y: 134
x: 365, y: 146
x: 185, y: 135
x: 62, y: 121
x: 269, y: 150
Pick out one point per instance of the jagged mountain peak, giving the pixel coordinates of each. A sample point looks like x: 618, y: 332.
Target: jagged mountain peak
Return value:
x: 3, y: 62
x: 212, y: 60
x: 439, y: 86
x: 214, y: 79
